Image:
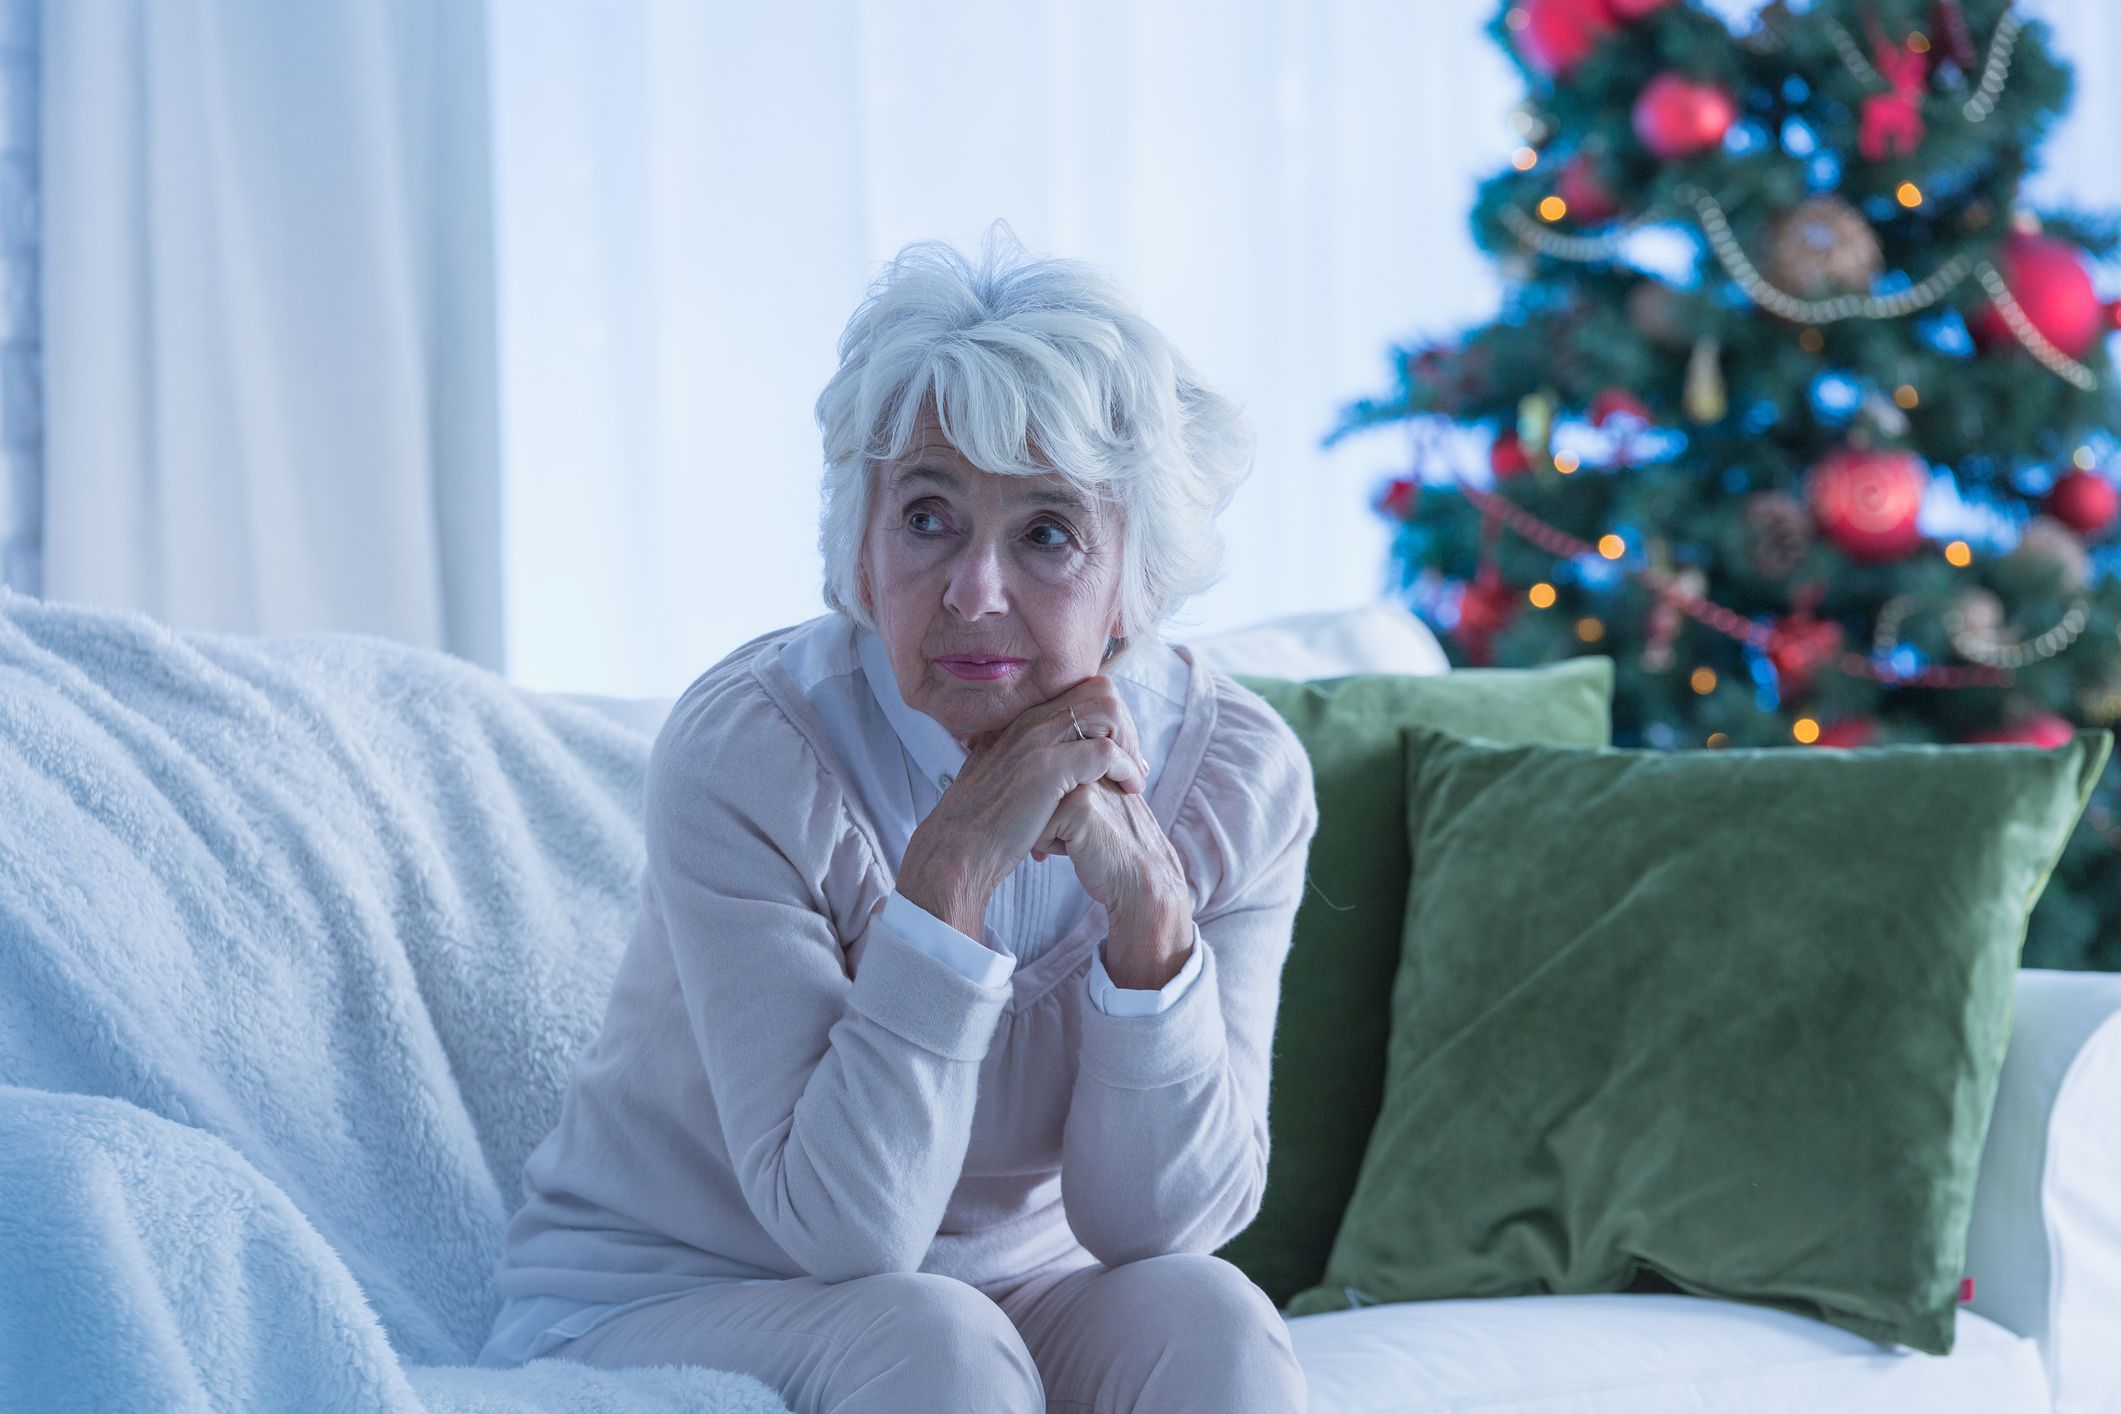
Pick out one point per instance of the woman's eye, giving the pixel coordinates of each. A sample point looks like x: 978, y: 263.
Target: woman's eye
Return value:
x: 911, y: 514
x: 1051, y: 544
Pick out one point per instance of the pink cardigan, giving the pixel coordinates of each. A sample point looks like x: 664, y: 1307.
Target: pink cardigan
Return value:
x: 783, y: 1086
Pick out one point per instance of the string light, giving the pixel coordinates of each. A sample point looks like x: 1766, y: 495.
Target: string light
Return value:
x: 1552, y: 208
x: 1566, y: 462
x: 1908, y: 195
x: 1906, y: 396
x: 1805, y: 729
x: 1612, y: 546
x: 1811, y: 341
x: 1524, y: 159
x: 1541, y: 594
x: 1703, y: 681
x: 1717, y: 740
x: 1959, y: 553
x: 1590, y: 630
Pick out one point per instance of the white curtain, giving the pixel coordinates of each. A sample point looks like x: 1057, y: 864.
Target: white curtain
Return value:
x: 269, y: 357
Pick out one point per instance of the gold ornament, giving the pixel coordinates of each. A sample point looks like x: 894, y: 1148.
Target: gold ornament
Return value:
x: 1704, y: 397
x: 1821, y: 247
x: 1782, y: 532
x: 1535, y: 427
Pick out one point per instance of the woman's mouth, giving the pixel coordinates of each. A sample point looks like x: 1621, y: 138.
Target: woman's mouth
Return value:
x: 983, y: 669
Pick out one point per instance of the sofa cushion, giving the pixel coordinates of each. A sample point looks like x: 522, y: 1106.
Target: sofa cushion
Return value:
x: 1645, y: 1354
x: 1335, y: 1009
x: 1731, y: 1020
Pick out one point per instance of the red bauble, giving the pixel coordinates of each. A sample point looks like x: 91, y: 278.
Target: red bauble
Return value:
x: 1676, y: 116
x: 2084, y: 501
x: 2043, y: 729
x: 1506, y: 457
x: 1799, y: 646
x: 1588, y: 198
x: 1866, y: 502
x: 1558, y: 33
x: 1634, y: 9
x: 1397, y: 502
x: 2047, y: 278
x: 1847, y: 732
x: 1617, y: 402
x: 1486, y: 608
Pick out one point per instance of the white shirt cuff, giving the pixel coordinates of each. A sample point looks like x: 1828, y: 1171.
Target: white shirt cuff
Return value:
x: 946, y: 944
x: 1115, y: 1000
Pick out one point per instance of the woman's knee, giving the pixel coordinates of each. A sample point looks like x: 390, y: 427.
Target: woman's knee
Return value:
x: 1218, y: 1329
x: 951, y: 1341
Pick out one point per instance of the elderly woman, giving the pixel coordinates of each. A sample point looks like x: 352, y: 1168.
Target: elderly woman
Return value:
x: 935, y: 1072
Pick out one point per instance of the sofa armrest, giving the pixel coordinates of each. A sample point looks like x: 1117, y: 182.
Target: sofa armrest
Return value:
x: 2044, y: 1245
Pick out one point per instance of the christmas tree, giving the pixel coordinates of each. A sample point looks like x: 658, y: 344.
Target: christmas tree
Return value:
x: 1795, y: 406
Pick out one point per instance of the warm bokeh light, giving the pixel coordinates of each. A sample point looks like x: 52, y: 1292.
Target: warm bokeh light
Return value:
x: 1908, y: 194
x: 1959, y: 553
x: 1805, y: 730
x: 1703, y: 680
x: 1566, y: 462
x: 1717, y: 739
x: 1542, y: 595
x: 1590, y: 630
x: 1612, y: 546
x: 1552, y: 208
x: 1524, y: 159
x: 1811, y: 341
x: 1919, y: 42
x: 1906, y: 396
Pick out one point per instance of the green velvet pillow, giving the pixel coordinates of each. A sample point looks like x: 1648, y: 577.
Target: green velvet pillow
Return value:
x: 1722, y: 1022
x: 1336, y: 988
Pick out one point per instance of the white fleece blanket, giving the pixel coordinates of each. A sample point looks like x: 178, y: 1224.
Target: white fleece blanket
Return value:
x: 299, y: 937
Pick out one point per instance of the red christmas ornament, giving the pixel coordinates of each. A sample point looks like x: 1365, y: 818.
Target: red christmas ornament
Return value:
x: 2042, y: 729
x: 1676, y: 116
x: 1892, y: 121
x: 2047, y: 278
x: 1486, y: 608
x: 1866, y: 502
x: 1557, y: 34
x: 2084, y: 501
x: 1634, y: 9
x: 1799, y: 646
x: 1506, y: 456
x: 1617, y: 402
x: 1585, y: 192
x: 1397, y: 502
x: 1848, y: 732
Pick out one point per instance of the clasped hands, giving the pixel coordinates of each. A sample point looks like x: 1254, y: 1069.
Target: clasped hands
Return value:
x: 1037, y: 787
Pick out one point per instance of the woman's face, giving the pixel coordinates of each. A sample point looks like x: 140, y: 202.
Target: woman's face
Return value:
x: 957, y: 561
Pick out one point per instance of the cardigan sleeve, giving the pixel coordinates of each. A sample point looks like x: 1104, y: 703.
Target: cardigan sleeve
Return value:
x: 1165, y: 1145
x: 846, y: 1105
x: 984, y: 964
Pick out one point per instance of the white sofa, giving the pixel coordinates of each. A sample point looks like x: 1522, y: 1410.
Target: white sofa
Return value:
x: 2043, y: 1332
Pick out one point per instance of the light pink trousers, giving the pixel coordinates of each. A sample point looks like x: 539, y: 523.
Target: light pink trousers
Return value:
x: 1183, y: 1333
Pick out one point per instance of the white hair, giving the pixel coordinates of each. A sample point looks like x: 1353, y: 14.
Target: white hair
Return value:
x: 1015, y: 348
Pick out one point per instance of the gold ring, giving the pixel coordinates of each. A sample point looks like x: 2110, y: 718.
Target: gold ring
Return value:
x: 1078, y: 726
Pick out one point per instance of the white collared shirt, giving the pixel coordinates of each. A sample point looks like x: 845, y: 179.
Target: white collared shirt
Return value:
x: 901, y: 760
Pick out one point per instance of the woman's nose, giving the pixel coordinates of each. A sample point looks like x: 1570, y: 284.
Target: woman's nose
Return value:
x: 976, y: 585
